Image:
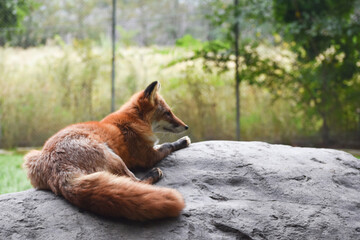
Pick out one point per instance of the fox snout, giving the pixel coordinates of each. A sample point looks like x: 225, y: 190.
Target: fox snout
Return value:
x: 179, y: 128
x: 166, y: 121
x: 174, y: 125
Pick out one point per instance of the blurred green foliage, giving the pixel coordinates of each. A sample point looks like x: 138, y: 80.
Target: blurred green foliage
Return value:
x: 322, y: 77
x: 12, y: 14
x: 189, y: 42
x: 326, y: 37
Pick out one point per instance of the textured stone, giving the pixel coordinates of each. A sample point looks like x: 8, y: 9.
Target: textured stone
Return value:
x: 233, y: 190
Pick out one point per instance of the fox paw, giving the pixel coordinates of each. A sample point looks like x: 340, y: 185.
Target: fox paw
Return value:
x: 153, y: 176
x: 182, y: 143
x: 186, y: 139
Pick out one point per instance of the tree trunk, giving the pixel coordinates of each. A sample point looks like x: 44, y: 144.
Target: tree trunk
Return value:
x: 113, y: 36
x: 325, y: 131
x: 237, y: 74
x: 325, y: 105
x: 1, y: 143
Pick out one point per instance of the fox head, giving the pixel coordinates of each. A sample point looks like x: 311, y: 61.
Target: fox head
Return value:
x: 160, y: 115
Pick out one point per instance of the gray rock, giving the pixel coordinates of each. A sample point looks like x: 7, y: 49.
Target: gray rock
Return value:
x: 233, y: 190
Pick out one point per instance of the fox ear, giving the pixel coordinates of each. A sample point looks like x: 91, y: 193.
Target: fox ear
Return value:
x: 151, y: 90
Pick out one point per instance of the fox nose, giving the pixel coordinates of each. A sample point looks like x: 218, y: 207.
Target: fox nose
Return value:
x: 186, y: 127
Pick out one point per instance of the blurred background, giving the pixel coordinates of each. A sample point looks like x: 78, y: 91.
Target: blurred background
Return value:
x: 278, y: 71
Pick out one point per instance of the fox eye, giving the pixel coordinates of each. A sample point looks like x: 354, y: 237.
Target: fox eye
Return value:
x: 168, y: 113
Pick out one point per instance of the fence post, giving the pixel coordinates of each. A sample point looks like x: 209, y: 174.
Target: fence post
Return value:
x: 113, y: 38
x: 237, y: 74
x: 1, y: 143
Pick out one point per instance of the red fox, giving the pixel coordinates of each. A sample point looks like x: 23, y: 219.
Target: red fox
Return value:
x: 88, y: 163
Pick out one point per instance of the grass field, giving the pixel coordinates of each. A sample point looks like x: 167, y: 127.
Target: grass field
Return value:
x: 12, y: 176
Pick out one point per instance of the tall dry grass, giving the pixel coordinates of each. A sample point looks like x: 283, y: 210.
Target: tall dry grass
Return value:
x: 46, y: 88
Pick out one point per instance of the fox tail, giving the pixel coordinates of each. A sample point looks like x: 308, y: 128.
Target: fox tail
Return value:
x: 32, y: 164
x: 115, y: 196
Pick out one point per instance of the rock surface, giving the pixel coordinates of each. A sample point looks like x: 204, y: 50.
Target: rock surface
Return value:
x: 233, y: 190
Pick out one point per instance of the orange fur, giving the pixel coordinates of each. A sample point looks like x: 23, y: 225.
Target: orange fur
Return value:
x: 88, y: 163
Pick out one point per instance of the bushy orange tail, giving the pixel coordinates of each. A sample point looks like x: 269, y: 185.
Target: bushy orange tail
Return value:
x: 114, y: 196
x: 32, y: 164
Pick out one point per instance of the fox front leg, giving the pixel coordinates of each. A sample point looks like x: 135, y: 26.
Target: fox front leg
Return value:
x: 159, y: 152
x: 174, y: 146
